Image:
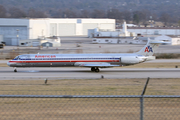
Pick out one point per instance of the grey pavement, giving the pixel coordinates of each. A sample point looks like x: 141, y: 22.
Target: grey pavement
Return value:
x: 69, y: 45
x: 6, y: 73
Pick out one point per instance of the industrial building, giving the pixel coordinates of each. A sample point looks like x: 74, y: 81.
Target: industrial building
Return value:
x: 44, y: 42
x: 112, y: 40
x: 14, y: 30
x: 97, y: 32
x: 155, y: 30
x: 135, y: 35
x: 173, y: 40
x: 126, y: 31
x: 115, y: 37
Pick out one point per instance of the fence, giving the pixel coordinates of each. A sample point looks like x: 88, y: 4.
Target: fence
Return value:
x: 15, y: 103
x: 89, y: 107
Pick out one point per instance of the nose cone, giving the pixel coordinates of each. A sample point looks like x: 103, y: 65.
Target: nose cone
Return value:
x: 8, y: 63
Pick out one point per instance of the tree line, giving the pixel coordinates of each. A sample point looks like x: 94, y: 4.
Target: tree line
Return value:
x: 137, y: 17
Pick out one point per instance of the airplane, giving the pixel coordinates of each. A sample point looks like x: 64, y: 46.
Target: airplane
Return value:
x: 93, y: 61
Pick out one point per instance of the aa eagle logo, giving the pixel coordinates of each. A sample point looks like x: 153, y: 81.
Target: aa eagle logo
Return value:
x: 148, y: 49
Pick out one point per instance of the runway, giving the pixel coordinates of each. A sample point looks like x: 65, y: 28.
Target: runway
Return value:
x: 6, y: 73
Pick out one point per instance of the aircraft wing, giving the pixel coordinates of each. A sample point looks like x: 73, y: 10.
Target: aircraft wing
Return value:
x: 94, y: 64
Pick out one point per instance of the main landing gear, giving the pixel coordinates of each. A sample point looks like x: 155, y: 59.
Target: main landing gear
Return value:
x: 15, y: 70
x: 95, y: 69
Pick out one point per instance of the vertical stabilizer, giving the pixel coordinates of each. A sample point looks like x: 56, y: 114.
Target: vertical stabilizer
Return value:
x: 150, y: 47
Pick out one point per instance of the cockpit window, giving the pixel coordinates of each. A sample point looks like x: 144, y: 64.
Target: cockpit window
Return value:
x: 16, y: 58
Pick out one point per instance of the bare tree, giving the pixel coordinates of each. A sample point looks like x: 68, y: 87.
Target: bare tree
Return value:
x: 2, y: 12
x: 97, y: 14
x: 69, y: 14
x: 127, y: 15
x: 114, y: 13
x: 84, y: 14
x: 141, y: 16
x: 36, y: 14
x: 55, y: 13
x: 16, y: 13
x: 179, y: 22
x: 165, y: 18
x: 136, y: 19
x: 59, y: 14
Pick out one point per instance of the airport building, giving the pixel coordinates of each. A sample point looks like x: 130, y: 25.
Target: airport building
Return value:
x: 136, y: 35
x: 92, y: 33
x: 46, y: 42
x: 14, y: 30
x: 175, y: 31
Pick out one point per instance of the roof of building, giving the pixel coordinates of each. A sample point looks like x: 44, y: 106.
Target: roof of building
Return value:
x: 174, y: 36
x: 149, y: 27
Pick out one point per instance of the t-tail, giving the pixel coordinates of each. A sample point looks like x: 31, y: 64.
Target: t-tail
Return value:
x: 150, y: 47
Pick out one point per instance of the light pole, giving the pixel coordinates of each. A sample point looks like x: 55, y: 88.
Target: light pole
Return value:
x: 17, y: 36
x: 151, y: 21
x: 118, y: 36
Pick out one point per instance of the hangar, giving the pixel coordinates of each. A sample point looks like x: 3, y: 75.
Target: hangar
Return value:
x: 14, y: 30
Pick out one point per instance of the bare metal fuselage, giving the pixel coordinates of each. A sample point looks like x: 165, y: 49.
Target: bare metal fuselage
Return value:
x: 69, y: 60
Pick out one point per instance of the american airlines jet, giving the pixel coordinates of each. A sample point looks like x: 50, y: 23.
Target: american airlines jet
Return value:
x: 93, y: 61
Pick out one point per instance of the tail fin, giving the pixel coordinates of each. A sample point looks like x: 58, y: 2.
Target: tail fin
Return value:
x: 150, y: 47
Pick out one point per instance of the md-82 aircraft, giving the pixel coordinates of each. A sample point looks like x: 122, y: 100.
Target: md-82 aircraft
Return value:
x: 93, y: 61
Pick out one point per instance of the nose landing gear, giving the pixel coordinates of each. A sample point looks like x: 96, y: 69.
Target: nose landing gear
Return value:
x: 95, y: 69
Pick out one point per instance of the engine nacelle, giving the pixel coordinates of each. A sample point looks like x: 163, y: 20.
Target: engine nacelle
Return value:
x: 130, y: 60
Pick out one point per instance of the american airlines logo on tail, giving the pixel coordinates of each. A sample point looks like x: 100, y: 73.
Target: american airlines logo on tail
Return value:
x: 148, y: 49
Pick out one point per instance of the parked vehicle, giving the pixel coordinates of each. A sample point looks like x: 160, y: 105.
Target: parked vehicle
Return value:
x: 1, y: 45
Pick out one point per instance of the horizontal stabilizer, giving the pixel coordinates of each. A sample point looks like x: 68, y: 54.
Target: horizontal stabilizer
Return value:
x: 157, y: 42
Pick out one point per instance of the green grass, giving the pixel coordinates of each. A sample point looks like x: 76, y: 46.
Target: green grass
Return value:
x: 167, y: 56
x: 90, y: 87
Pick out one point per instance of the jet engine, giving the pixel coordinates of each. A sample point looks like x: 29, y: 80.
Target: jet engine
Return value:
x: 132, y: 59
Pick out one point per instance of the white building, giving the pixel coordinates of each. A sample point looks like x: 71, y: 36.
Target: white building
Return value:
x: 112, y: 40
x: 131, y: 25
x: 97, y: 32
x: 173, y: 40
x: 44, y: 42
x: 32, y: 42
x: 14, y: 30
x: 155, y: 30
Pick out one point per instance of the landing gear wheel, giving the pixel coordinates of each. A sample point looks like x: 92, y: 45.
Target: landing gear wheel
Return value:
x: 15, y: 70
x: 97, y: 70
x: 93, y: 69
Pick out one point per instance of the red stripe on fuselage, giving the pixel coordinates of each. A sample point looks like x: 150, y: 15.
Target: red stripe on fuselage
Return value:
x: 64, y: 61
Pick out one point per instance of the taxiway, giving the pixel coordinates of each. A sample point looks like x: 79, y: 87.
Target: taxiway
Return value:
x: 6, y: 73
